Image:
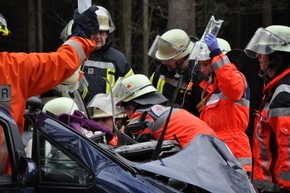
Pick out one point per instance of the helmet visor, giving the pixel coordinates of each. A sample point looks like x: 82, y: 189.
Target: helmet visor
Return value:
x: 131, y: 87
x: 2, y: 20
x: 154, y: 47
x: 263, y: 42
x: 3, y: 26
x: 164, y: 50
x: 120, y: 91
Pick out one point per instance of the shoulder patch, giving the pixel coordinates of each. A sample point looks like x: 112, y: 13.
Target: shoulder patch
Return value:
x: 158, y: 110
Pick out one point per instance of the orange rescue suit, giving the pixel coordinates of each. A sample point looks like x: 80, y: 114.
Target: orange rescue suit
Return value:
x: 226, y: 108
x: 271, y: 138
x: 183, y: 126
x: 24, y: 75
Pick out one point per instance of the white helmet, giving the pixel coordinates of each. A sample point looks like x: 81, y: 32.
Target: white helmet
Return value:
x: 224, y: 45
x: 70, y: 84
x: 131, y: 87
x: 67, y: 31
x: 137, y: 88
x: 60, y: 105
x: 173, y: 44
x: 266, y: 41
x: 102, y: 106
x: 203, y: 53
x: 105, y: 20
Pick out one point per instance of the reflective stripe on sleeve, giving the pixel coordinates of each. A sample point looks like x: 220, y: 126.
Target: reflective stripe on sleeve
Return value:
x: 220, y: 63
x: 220, y: 96
x: 77, y: 47
x: 160, y: 84
x: 283, y: 111
x: 110, y: 76
x: 129, y: 73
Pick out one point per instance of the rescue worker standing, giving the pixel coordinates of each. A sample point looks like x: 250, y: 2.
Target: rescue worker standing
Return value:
x: 271, y: 144
x: 172, y: 49
x: 25, y: 75
x: 226, y: 106
x: 104, y: 61
x: 136, y: 95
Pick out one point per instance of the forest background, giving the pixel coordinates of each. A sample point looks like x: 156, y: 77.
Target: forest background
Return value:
x: 37, y: 24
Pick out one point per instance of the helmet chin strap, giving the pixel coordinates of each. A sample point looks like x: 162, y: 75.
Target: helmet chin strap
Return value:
x: 265, y: 73
x: 177, y: 71
x: 211, y: 75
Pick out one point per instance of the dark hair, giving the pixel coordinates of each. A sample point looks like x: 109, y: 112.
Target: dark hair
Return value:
x: 103, y: 119
x: 127, y: 104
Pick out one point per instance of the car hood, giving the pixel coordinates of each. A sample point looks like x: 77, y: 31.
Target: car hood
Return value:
x: 207, y: 163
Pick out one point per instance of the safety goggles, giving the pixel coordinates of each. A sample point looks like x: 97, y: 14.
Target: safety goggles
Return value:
x: 263, y: 42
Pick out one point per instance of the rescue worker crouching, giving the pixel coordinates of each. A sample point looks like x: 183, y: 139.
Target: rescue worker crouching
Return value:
x: 103, y: 113
x: 136, y: 95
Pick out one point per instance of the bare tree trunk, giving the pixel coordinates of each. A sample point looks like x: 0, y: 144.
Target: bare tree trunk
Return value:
x: 112, y: 12
x: 31, y: 26
x: 126, y: 29
x: 181, y: 14
x: 39, y: 26
x: 267, y: 13
x: 145, y: 38
x: 238, y: 24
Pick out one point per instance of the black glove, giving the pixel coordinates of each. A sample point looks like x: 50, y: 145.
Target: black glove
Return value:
x: 86, y: 23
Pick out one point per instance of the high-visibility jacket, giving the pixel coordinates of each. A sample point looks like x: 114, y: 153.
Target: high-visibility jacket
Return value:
x: 106, y: 63
x: 166, y: 84
x: 226, y: 108
x: 182, y: 126
x: 271, y: 138
x: 25, y: 75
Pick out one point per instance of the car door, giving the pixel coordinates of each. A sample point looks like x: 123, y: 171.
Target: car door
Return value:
x: 18, y: 179
x: 68, y: 161
x: 59, y: 169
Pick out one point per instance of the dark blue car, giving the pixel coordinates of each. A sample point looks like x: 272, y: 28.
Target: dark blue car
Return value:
x: 65, y: 161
